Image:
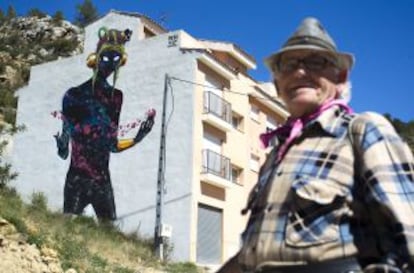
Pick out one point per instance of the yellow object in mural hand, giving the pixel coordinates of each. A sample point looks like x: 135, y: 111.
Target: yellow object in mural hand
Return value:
x: 125, y: 143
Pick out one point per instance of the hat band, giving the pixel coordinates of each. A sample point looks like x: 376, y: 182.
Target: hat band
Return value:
x: 309, y: 40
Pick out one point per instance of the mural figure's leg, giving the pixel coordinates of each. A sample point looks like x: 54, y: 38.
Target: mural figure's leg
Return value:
x: 103, y: 202
x: 75, y: 194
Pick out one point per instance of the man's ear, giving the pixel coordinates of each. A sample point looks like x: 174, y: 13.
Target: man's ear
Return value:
x: 342, y: 76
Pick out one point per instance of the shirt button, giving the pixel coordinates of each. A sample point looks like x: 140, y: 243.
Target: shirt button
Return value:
x: 269, y: 208
x: 294, y: 237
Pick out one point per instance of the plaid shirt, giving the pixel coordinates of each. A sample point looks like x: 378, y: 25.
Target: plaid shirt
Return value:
x: 335, y: 194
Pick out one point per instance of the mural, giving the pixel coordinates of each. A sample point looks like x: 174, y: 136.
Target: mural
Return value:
x: 90, y: 122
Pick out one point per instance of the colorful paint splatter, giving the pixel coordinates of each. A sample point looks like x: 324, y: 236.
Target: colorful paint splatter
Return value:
x: 90, y: 117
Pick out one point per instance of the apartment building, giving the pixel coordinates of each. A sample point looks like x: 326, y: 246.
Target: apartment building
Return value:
x: 211, y: 156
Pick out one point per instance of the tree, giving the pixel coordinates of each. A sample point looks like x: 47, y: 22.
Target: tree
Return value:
x: 87, y: 13
x: 6, y: 173
x: 11, y: 12
x: 36, y: 13
x: 58, y: 17
x: 1, y: 16
x: 404, y: 129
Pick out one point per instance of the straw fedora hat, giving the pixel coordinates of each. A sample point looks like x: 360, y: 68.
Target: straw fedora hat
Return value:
x: 313, y: 36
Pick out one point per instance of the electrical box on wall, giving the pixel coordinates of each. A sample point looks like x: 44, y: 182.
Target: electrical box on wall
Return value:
x: 166, y: 230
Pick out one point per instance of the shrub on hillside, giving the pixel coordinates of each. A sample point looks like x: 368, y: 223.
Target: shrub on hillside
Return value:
x: 58, y: 17
x: 36, y: 13
x: 61, y: 46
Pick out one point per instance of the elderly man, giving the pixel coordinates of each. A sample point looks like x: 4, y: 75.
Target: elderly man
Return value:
x: 336, y: 193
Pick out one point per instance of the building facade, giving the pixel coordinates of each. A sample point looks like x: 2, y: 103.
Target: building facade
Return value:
x: 214, y: 113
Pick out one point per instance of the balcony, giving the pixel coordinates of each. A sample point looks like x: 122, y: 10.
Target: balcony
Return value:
x: 216, y: 169
x: 217, y: 111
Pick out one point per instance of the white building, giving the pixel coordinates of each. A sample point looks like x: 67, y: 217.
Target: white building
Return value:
x: 216, y: 113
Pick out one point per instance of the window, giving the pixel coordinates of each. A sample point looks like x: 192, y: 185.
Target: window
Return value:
x: 213, y: 161
x: 254, y: 163
x: 172, y: 40
x: 213, y: 85
x: 236, y: 173
x: 237, y: 121
x: 254, y: 112
x: 213, y: 99
x: 212, y: 142
x: 148, y: 33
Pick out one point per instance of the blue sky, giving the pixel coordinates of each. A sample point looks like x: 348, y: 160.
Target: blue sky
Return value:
x: 379, y: 33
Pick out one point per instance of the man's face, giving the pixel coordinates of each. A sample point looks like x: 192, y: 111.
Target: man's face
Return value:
x: 109, y: 60
x: 306, y: 79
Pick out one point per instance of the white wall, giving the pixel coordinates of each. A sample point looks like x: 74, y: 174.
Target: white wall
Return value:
x: 134, y: 172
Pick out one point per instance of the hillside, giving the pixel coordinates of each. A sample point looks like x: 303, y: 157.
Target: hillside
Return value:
x: 36, y: 240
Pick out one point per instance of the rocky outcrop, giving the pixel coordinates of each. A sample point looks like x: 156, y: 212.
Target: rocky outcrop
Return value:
x: 17, y: 256
x: 25, y: 41
x: 37, y: 40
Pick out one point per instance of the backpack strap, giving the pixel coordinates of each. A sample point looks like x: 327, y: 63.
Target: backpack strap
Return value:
x: 350, y: 134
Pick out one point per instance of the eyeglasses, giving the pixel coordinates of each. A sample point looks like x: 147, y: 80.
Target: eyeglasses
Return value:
x: 314, y: 62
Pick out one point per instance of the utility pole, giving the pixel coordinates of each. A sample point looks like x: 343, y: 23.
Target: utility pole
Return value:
x: 158, y: 236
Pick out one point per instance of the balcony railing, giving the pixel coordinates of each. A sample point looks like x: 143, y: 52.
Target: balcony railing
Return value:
x: 216, y: 164
x: 216, y: 105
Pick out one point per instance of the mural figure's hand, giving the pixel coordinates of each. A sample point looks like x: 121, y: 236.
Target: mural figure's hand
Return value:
x: 146, y: 126
x: 62, y: 143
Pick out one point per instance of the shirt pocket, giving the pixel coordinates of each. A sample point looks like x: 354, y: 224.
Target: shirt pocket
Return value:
x: 315, y: 212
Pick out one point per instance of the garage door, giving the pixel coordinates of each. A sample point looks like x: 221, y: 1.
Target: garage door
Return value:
x: 209, y: 235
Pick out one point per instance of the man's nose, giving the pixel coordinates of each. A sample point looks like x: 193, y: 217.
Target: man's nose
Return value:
x: 300, y: 68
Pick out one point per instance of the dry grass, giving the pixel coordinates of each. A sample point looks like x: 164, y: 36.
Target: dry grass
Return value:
x: 80, y: 242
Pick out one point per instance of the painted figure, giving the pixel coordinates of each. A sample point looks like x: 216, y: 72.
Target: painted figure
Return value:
x: 90, y: 116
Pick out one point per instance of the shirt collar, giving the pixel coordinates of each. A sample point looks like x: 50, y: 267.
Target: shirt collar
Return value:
x: 330, y: 121
x: 326, y: 116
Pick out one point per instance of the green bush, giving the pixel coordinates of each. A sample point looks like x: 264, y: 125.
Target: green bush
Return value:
x: 38, y: 239
x: 10, y: 116
x: 70, y: 250
x: 182, y: 267
x: 13, y: 39
x: 7, y: 98
x: 25, y: 76
x: 121, y: 269
x: 98, y: 264
x: 2, y: 68
x: 39, y: 201
x: 6, y: 175
x: 61, y: 46
x: 18, y: 223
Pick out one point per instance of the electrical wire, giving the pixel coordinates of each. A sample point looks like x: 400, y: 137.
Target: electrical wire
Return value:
x: 170, y: 86
x: 271, y: 98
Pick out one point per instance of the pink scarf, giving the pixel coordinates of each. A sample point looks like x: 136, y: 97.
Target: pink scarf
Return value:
x: 293, y: 126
